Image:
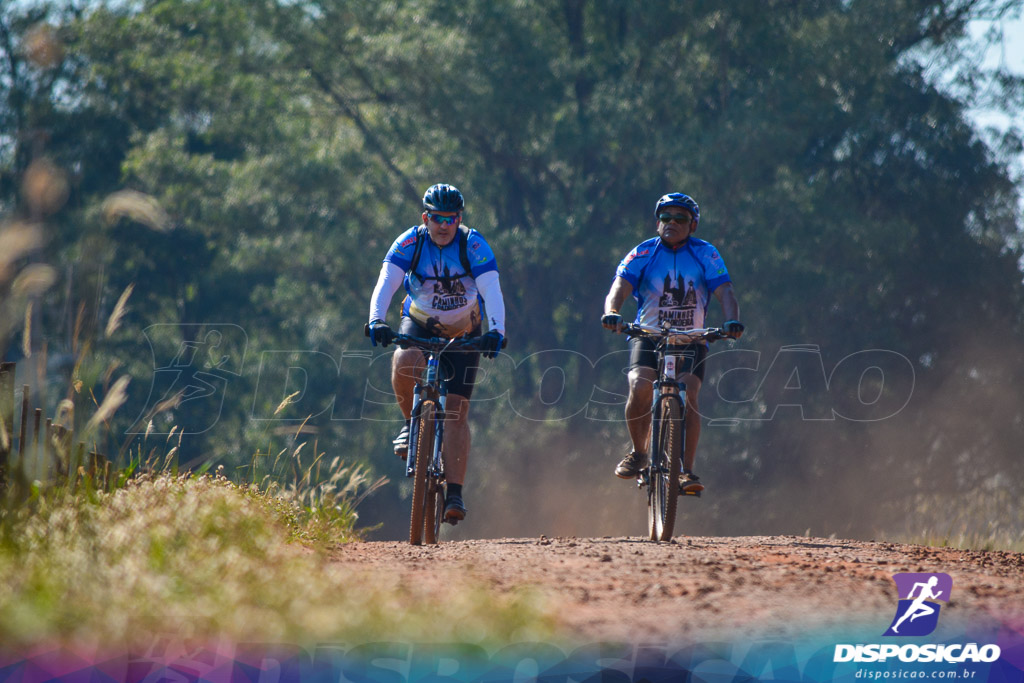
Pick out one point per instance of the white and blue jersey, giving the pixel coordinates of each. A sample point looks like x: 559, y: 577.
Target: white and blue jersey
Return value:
x: 442, y: 297
x: 673, y: 285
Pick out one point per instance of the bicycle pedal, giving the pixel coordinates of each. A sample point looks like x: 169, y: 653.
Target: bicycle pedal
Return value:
x: 695, y: 494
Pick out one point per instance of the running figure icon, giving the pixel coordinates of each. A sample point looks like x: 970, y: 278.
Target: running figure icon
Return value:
x: 918, y: 608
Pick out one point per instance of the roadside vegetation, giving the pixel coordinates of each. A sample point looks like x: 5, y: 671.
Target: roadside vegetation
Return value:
x: 202, y: 557
x: 988, y: 519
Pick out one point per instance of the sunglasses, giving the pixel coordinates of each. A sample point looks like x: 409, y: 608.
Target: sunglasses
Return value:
x: 443, y: 220
x: 668, y: 218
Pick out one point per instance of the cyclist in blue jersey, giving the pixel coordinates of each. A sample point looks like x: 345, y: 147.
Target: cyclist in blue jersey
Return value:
x: 451, y: 283
x: 672, y: 277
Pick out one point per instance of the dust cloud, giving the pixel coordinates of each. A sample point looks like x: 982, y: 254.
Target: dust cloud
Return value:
x: 945, y: 468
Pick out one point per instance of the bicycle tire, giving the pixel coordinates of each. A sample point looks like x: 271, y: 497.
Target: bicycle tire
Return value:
x: 652, y: 468
x: 424, y: 446
x: 665, y: 480
x: 434, y: 513
x: 652, y: 525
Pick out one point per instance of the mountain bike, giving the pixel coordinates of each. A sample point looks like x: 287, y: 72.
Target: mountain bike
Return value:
x: 425, y: 459
x: 668, y: 424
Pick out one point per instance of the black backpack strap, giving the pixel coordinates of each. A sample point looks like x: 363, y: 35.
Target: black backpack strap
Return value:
x: 417, y: 250
x: 464, y: 250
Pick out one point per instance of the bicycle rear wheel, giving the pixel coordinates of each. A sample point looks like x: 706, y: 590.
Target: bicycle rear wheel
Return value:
x: 424, y: 445
x: 664, y: 491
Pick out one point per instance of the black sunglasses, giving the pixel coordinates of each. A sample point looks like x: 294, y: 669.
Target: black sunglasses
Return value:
x: 443, y: 220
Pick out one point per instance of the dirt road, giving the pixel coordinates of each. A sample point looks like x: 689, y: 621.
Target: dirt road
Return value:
x: 622, y: 588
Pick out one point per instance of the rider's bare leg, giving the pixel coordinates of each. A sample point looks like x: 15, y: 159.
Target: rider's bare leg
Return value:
x: 693, y: 384
x: 638, y: 407
x: 406, y: 368
x: 456, y: 439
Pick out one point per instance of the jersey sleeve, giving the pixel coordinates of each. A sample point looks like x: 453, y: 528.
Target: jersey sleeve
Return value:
x: 630, y: 267
x: 402, y: 249
x: 481, y: 257
x: 715, y: 272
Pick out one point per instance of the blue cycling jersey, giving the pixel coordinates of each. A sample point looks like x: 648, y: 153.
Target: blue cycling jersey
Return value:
x: 673, y: 285
x: 441, y: 295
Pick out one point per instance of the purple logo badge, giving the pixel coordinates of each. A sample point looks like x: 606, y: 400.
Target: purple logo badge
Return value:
x: 918, y: 610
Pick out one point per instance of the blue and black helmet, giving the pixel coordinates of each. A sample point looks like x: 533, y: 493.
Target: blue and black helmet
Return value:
x: 678, y: 199
x: 442, y: 197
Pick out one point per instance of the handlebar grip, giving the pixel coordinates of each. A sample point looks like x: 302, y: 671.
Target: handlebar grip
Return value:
x: 366, y: 329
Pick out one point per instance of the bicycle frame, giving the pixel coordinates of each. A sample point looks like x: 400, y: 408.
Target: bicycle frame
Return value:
x: 668, y: 424
x: 668, y: 382
x: 666, y: 385
x: 431, y: 390
x: 437, y: 390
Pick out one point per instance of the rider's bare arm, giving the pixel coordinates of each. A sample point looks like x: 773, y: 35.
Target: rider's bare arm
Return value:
x: 617, y: 295
x: 727, y: 298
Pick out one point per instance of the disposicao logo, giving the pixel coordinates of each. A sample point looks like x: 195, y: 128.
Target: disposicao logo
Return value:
x: 917, y: 614
x: 918, y: 610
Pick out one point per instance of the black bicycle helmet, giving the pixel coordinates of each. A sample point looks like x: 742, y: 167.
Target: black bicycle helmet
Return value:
x: 442, y: 197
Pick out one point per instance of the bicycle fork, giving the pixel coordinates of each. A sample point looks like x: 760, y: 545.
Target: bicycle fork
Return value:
x: 417, y: 403
x: 414, y: 430
x: 666, y: 381
x: 441, y: 415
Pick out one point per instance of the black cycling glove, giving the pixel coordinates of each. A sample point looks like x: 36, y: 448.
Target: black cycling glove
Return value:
x: 491, y: 343
x: 379, y: 333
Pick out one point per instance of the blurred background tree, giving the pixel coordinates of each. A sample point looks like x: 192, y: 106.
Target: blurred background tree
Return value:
x: 275, y: 149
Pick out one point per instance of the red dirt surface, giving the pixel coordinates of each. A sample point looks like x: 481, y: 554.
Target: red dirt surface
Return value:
x: 625, y: 588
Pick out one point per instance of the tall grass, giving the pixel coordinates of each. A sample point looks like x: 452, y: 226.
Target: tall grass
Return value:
x: 322, y: 496
x: 987, y: 518
x: 202, y: 557
x: 319, y: 500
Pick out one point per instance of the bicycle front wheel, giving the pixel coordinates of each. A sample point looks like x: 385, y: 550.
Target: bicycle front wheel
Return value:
x: 664, y: 481
x: 424, y: 445
x: 434, y: 510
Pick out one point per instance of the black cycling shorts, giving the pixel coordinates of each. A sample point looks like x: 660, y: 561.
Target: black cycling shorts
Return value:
x: 643, y: 355
x: 458, y: 367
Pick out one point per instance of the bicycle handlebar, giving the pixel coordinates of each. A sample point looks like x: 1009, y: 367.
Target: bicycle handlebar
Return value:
x: 440, y: 344
x: 437, y: 344
x: 674, y: 335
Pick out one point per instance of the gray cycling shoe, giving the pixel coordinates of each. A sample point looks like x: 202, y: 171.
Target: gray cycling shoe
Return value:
x: 689, y: 484
x: 454, y: 509
x: 401, y: 442
x: 630, y: 466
